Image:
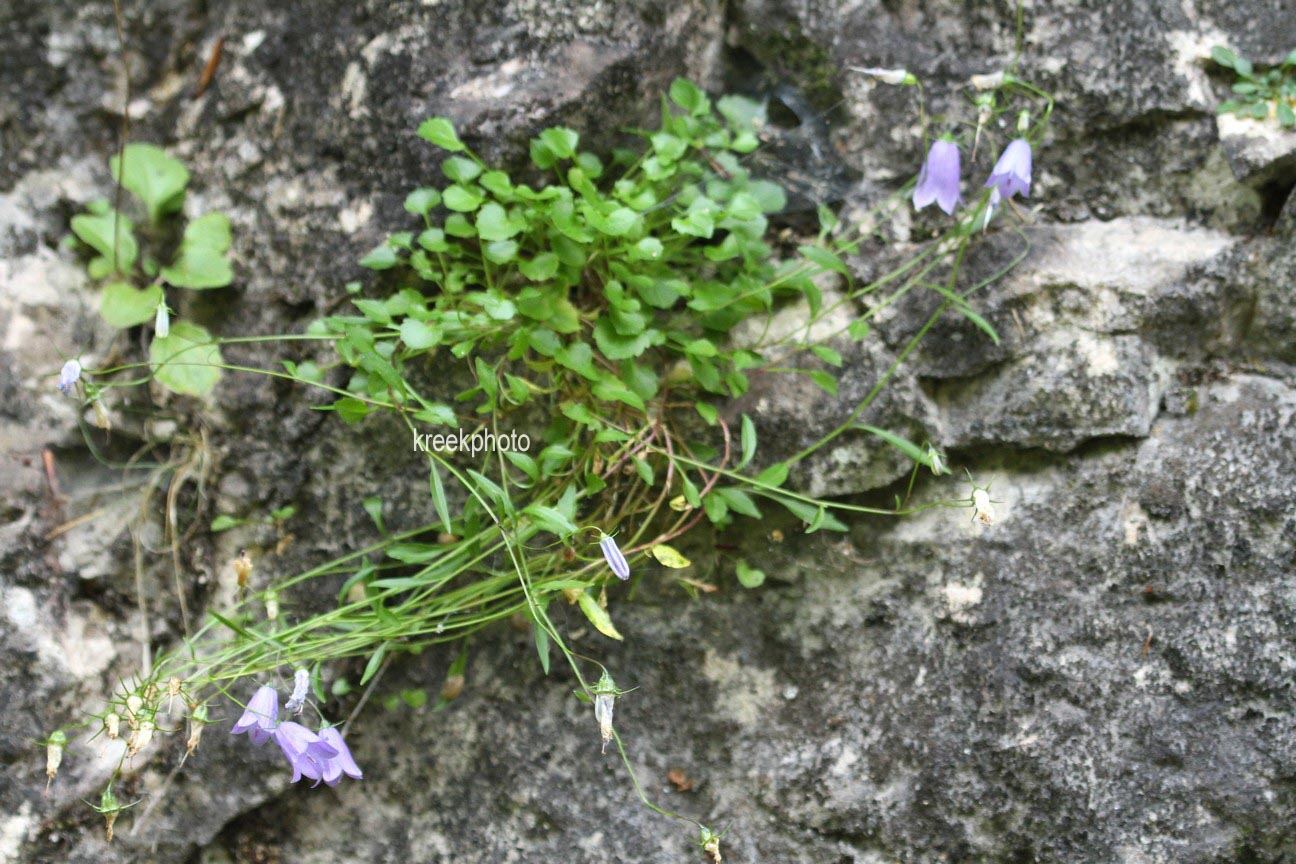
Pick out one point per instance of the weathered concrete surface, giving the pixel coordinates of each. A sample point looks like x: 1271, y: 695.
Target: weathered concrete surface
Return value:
x: 1104, y: 675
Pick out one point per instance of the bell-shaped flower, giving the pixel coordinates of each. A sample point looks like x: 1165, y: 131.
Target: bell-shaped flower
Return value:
x: 69, y: 376
x: 939, y: 179
x: 307, y: 753
x: 260, y: 716
x: 615, y: 560
x: 1012, y: 173
x: 340, y: 764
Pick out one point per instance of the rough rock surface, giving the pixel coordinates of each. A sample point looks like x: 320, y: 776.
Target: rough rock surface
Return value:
x: 1103, y: 675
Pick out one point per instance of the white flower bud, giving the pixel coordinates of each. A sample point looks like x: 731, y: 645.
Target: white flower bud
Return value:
x: 272, y: 606
x: 162, y: 321
x: 989, y: 81
x: 887, y: 76
x: 133, y: 705
x: 983, y: 510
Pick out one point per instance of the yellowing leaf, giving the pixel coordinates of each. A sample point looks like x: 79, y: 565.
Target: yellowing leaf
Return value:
x: 598, y: 616
x: 680, y: 504
x: 669, y: 556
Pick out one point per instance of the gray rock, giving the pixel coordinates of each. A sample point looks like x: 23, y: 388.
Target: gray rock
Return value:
x: 1102, y: 675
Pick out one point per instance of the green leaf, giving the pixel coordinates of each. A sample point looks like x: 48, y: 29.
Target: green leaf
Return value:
x: 122, y: 305
x: 552, y: 520
x: 707, y: 412
x: 669, y: 556
x: 422, y: 200
x: 461, y: 170
x: 441, y: 132
x: 1223, y: 56
x: 828, y: 355
x: 540, y: 268
x: 824, y: 380
x: 748, y: 441
x: 500, y: 252
x: 774, y: 475
x: 199, y: 267
x: 373, y: 505
x: 381, y: 257
x: 560, y: 141
x: 824, y: 259
x: 541, y: 643
x: 749, y: 576
x: 616, y: 346
x: 905, y: 446
x: 461, y: 199
x: 99, y: 233
x: 375, y: 660
x: 579, y: 357
x: 224, y: 522
x: 493, y: 223
x: 1286, y: 116
x: 858, y: 329
x: 647, y: 249
x: 154, y: 177
x: 419, y: 335
x: 739, y: 501
x: 186, y: 361
x: 351, y: 410
x: 439, y: 497
x: 689, y: 96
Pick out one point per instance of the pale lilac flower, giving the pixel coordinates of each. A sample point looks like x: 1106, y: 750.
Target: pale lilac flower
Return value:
x: 340, y: 764
x: 939, y: 179
x: 301, y: 684
x: 1012, y: 173
x: 68, y: 378
x: 615, y: 559
x: 307, y: 753
x: 260, y: 716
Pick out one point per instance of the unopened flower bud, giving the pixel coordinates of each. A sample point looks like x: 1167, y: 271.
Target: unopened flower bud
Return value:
x: 272, y: 606
x: 54, y: 754
x: 605, y: 693
x: 140, y: 738
x: 888, y: 76
x: 162, y: 321
x: 988, y: 81
x: 935, y: 461
x: 1023, y: 122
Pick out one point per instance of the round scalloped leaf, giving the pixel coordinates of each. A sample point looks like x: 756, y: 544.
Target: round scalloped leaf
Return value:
x: 186, y: 361
x: 123, y: 305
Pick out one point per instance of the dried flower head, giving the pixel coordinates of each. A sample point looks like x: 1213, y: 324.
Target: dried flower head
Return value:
x: 301, y: 687
x: 197, y: 721
x: 140, y: 738
x: 112, y: 723
x: 242, y: 568
x: 982, y: 508
x: 54, y: 748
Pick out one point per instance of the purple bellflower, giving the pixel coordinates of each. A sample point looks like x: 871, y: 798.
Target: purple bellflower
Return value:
x: 615, y: 560
x: 1012, y: 173
x: 939, y: 179
x: 68, y: 378
x: 260, y: 716
x: 307, y: 753
x: 340, y: 764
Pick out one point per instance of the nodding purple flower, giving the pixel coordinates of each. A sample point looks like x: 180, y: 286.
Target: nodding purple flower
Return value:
x: 260, y: 716
x: 1012, y: 173
x: 307, y: 753
x: 615, y: 560
x: 939, y: 179
x: 301, y: 685
x: 341, y: 763
x: 68, y: 378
